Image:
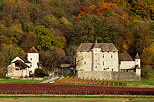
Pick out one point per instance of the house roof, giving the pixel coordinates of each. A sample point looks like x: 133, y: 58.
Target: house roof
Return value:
x: 24, y: 59
x: 125, y: 57
x: 137, y: 56
x: 104, y: 46
x: 33, y: 50
x: 22, y: 65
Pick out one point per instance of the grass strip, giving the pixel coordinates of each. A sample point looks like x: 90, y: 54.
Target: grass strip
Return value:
x: 74, y: 96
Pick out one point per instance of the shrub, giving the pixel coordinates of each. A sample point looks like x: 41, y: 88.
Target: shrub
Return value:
x: 2, y: 73
x: 148, y: 72
x: 39, y: 72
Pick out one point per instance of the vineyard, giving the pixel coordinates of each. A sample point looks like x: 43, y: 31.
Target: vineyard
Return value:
x: 71, y: 89
x: 81, y: 81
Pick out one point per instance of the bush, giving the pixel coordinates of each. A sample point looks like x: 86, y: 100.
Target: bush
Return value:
x: 2, y: 73
x: 148, y: 72
x: 39, y: 72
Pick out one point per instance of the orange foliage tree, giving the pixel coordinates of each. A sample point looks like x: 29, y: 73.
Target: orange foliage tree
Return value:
x: 100, y: 9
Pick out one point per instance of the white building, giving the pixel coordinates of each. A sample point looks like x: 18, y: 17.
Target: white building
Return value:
x: 21, y: 66
x: 97, y: 57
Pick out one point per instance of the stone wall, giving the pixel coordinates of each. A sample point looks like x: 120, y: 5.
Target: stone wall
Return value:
x: 109, y: 75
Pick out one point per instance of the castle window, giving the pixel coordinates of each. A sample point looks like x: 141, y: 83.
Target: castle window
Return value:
x: 103, y: 55
x: 17, y: 69
x: 103, y: 63
x: 95, y: 66
x: 84, y: 62
x: 96, y: 50
x: 84, y: 55
x: 108, y: 51
x: 95, y: 54
x: 30, y: 58
x: 111, y: 56
x: 95, y: 60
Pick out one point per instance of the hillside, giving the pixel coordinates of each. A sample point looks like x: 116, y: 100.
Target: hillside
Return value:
x: 57, y: 27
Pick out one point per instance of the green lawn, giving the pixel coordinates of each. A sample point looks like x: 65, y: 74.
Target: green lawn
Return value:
x: 143, y: 83
x: 18, y: 81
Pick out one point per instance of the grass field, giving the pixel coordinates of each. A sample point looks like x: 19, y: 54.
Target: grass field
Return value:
x: 143, y: 83
x: 35, y: 99
x: 19, y: 81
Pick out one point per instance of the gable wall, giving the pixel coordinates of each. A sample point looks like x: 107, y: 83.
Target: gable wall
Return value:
x: 17, y: 58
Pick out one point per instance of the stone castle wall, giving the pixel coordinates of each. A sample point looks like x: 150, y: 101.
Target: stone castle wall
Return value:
x: 108, y: 75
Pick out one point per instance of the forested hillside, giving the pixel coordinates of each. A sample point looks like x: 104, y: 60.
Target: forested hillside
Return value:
x: 57, y: 27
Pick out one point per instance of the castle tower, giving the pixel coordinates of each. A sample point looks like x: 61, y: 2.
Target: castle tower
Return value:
x: 33, y: 57
x: 95, y: 56
x: 137, y: 60
x: 138, y: 64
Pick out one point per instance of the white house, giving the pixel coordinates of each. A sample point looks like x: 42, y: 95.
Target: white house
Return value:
x: 21, y: 66
x: 104, y: 57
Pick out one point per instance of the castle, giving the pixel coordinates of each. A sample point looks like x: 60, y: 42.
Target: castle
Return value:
x: 21, y: 66
x: 102, y: 61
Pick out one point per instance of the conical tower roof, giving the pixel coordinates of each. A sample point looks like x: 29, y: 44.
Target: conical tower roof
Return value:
x: 137, y: 56
x: 33, y: 50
